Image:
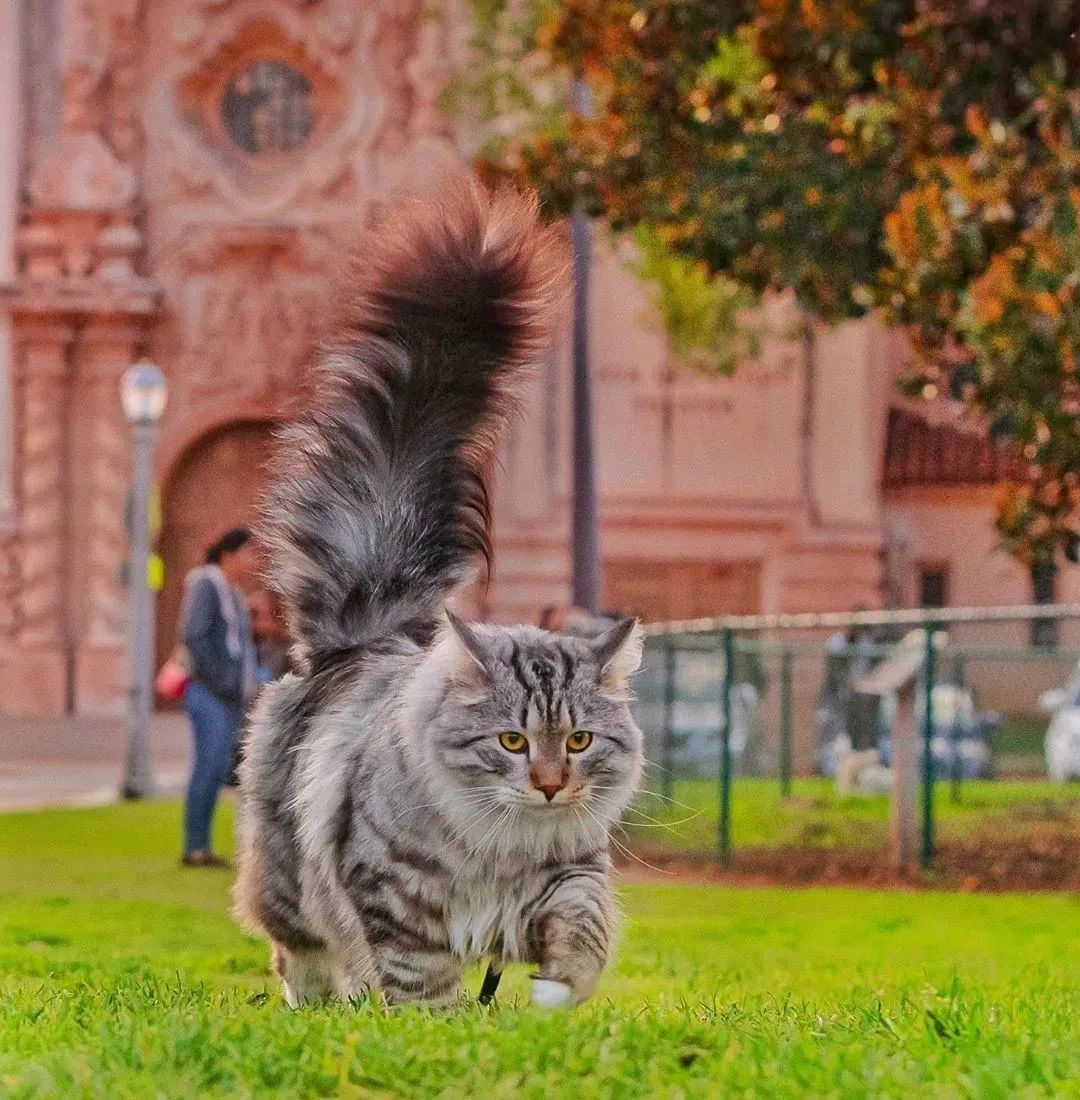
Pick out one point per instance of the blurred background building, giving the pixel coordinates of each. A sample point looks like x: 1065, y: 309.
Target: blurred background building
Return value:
x: 176, y: 177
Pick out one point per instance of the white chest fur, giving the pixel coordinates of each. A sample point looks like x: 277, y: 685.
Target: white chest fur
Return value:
x: 484, y: 919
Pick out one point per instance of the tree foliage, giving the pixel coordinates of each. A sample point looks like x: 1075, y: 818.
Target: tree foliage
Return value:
x: 918, y: 157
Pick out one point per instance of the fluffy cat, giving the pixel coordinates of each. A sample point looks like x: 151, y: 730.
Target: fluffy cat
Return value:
x: 425, y: 793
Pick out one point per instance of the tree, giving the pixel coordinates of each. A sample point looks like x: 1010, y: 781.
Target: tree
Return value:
x: 914, y: 156
x: 983, y: 248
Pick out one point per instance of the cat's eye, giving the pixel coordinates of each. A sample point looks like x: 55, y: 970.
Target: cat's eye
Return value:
x: 513, y: 741
x: 578, y: 741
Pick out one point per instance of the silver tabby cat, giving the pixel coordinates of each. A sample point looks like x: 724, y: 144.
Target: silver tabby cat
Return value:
x: 426, y: 793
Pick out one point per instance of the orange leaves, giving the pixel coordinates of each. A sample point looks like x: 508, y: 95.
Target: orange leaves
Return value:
x: 920, y: 229
x: 990, y: 291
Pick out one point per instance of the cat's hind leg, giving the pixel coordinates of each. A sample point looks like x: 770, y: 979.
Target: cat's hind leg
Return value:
x: 305, y: 975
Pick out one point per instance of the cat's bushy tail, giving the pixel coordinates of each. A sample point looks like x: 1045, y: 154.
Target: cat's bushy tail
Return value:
x: 378, y: 501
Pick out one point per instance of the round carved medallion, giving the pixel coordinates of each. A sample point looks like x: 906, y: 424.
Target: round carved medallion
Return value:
x: 268, y: 107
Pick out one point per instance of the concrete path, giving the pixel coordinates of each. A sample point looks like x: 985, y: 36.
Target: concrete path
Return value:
x: 79, y: 761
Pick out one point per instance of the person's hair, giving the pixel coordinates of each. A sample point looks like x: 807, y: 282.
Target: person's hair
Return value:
x: 229, y: 543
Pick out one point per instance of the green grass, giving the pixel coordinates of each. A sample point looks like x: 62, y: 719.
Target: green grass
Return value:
x: 123, y: 976
x: 817, y: 816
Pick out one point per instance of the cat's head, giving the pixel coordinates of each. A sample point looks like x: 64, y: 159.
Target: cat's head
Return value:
x: 519, y: 719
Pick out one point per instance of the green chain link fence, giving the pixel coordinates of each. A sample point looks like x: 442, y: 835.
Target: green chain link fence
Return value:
x: 745, y: 697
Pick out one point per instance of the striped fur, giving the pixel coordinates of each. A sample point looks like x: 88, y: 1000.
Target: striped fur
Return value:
x: 388, y: 836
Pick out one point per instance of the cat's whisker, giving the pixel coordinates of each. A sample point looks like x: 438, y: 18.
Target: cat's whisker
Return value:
x: 473, y: 822
x: 494, y: 834
x: 481, y: 796
x: 636, y: 858
x: 474, y: 852
x: 650, y: 794
x: 623, y: 848
x: 649, y: 822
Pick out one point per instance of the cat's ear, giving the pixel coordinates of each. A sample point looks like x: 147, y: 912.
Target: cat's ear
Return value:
x: 618, y: 653
x: 476, y: 655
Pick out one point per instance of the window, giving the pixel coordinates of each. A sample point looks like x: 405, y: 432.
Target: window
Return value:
x: 934, y: 585
x: 1044, y: 632
x: 267, y: 108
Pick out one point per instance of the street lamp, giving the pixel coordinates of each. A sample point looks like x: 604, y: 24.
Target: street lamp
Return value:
x: 143, y: 393
x: 584, y: 520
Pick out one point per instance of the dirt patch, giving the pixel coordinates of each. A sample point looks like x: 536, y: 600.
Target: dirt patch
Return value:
x: 1046, y: 859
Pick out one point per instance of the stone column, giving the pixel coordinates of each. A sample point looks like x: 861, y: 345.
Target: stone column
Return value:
x: 36, y: 677
x: 106, y: 348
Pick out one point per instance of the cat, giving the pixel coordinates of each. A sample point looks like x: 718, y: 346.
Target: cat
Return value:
x: 424, y: 793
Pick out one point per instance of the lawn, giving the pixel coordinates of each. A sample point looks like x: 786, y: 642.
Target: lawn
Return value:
x: 122, y: 975
x: 817, y: 816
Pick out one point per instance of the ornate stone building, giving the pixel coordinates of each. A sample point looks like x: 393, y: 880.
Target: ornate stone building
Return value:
x: 176, y: 177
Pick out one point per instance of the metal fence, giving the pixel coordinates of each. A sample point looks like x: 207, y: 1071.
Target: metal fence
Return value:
x: 749, y: 696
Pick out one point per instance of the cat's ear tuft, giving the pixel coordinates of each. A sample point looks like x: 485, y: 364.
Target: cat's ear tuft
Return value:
x: 618, y: 652
x: 475, y: 650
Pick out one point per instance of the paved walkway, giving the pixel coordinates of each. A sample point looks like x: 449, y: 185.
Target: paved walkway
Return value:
x: 79, y: 761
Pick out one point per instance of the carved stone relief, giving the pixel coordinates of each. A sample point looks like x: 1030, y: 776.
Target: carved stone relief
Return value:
x: 245, y: 310
x: 97, y: 68
x: 272, y: 125
x: 265, y: 104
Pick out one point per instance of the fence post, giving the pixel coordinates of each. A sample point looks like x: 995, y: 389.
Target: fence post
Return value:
x: 667, y: 745
x: 929, y: 672
x: 724, y: 832
x: 786, y: 663
x: 956, y: 769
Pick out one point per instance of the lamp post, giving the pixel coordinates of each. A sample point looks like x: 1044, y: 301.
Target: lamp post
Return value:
x: 585, y: 534
x: 142, y: 394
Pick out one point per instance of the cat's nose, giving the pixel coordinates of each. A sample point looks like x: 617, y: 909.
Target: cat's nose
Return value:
x: 548, y: 776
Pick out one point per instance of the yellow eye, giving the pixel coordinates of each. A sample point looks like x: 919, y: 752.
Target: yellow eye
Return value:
x: 513, y: 742
x: 578, y: 741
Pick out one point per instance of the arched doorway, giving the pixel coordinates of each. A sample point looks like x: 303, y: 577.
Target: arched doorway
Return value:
x: 216, y: 484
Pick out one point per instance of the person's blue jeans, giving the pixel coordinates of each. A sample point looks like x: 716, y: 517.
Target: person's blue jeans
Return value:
x: 214, y: 726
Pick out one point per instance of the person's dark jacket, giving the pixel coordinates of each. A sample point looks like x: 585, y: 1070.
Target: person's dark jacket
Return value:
x: 205, y: 637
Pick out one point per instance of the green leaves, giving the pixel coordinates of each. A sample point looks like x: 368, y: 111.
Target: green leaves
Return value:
x: 737, y: 69
x: 703, y: 312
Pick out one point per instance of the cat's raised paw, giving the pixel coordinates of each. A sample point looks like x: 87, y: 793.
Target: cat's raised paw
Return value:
x: 549, y: 994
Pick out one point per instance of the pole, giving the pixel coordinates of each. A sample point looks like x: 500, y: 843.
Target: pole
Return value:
x: 903, y: 809
x: 138, y: 773
x: 806, y: 428
x: 956, y: 770
x: 667, y: 777
x: 585, y: 538
x: 929, y: 671
x: 786, y: 666
x: 724, y: 835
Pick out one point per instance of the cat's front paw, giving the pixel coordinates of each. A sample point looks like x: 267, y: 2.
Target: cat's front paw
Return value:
x: 546, y: 993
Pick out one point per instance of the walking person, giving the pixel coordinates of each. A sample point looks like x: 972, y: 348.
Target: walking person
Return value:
x: 216, y: 628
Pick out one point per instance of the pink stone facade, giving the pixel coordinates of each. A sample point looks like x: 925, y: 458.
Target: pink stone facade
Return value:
x: 176, y: 177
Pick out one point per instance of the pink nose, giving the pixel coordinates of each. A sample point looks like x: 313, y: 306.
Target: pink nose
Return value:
x: 550, y: 789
